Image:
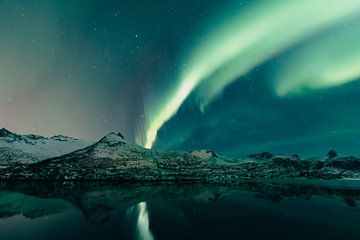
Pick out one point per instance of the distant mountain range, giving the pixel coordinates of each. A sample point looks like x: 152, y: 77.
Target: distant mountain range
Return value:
x: 33, y: 148
x: 112, y: 158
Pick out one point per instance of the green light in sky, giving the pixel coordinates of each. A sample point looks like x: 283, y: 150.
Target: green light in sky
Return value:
x: 256, y: 35
x: 328, y: 61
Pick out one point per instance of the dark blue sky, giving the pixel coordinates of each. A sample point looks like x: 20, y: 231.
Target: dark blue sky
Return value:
x: 84, y: 68
x: 233, y: 76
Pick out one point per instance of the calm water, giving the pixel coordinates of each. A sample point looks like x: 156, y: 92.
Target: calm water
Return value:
x: 114, y: 211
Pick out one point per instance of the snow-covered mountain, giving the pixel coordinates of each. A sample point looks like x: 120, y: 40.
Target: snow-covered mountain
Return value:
x: 214, y: 157
x: 112, y: 158
x: 32, y: 148
x: 9, y: 156
x: 112, y: 147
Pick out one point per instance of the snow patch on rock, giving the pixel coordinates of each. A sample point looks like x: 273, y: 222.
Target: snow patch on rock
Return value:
x: 204, y: 154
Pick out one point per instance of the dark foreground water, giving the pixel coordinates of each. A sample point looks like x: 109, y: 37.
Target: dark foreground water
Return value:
x: 114, y: 211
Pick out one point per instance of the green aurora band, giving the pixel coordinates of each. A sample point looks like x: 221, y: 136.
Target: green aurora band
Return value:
x: 264, y: 30
x: 330, y: 60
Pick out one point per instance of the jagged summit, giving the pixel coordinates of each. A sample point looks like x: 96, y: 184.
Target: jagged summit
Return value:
x: 34, y: 137
x: 5, y: 133
x: 332, y: 154
x: 63, y: 138
x: 28, y: 137
x: 120, y: 135
x: 112, y: 138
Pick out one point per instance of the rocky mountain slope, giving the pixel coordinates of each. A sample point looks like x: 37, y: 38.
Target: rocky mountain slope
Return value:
x: 33, y: 148
x: 10, y: 156
x: 112, y: 158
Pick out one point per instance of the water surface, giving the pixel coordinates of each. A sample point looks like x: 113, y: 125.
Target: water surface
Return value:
x: 189, y: 211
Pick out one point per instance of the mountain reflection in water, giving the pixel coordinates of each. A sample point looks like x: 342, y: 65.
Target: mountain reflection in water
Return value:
x: 93, y: 210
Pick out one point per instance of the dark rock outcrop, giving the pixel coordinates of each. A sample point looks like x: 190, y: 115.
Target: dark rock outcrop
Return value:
x: 332, y: 154
x: 5, y: 133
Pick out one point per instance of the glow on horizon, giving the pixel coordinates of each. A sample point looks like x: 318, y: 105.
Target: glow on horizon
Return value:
x: 253, y: 37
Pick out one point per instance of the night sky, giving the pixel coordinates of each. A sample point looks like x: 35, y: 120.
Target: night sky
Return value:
x: 233, y: 76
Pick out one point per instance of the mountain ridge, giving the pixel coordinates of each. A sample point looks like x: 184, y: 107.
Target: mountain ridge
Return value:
x: 112, y: 158
x: 35, y: 147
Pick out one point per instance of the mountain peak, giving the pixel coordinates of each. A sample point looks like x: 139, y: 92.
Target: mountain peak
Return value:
x: 332, y: 154
x: 4, y: 132
x: 62, y: 138
x: 112, y: 138
x: 120, y: 135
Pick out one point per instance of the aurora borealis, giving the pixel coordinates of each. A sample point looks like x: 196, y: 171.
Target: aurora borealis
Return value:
x: 254, y: 36
x: 232, y: 76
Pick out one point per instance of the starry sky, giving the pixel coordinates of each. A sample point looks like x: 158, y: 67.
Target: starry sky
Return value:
x: 234, y: 76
